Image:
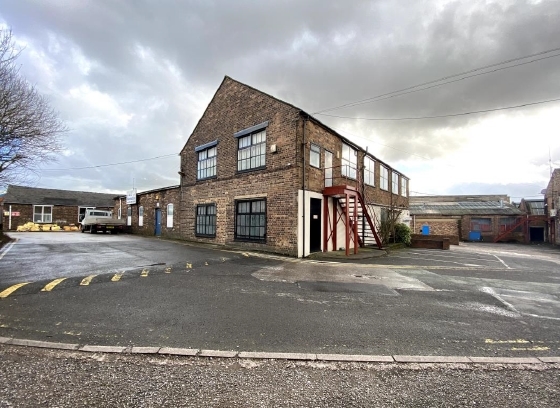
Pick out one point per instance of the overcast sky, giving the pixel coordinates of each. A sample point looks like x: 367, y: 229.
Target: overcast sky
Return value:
x: 132, y: 78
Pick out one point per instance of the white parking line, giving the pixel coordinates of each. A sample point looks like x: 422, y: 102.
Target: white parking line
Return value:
x: 506, y: 265
x: 6, y: 249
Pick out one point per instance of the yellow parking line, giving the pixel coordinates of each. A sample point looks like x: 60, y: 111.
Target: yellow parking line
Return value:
x: 87, y: 280
x: 50, y: 286
x: 168, y: 270
x: 189, y: 265
x: 117, y: 277
x: 7, y: 292
x: 144, y: 273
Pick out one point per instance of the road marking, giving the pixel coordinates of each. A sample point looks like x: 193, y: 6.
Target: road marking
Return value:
x: 117, y: 277
x: 144, y: 273
x: 502, y: 262
x: 87, y: 280
x: 189, y: 266
x: 206, y: 263
x: 516, y: 341
x: 168, y: 270
x: 7, y: 292
x: 6, y: 249
x: 50, y: 286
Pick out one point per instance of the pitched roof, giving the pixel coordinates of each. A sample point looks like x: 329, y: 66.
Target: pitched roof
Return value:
x: 464, y: 208
x: 301, y: 112
x: 45, y: 196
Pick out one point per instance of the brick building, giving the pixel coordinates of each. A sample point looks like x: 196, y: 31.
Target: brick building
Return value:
x: 263, y: 174
x: 49, y: 206
x: 490, y: 217
x: 152, y: 213
x: 552, y: 207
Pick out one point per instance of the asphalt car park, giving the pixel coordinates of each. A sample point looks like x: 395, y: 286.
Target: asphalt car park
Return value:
x: 476, y: 299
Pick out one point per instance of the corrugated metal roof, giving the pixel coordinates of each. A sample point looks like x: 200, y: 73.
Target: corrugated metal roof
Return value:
x: 45, y: 196
x: 464, y: 208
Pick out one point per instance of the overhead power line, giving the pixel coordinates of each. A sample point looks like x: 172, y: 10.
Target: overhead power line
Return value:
x: 447, y: 116
x: 412, y: 89
x: 113, y: 164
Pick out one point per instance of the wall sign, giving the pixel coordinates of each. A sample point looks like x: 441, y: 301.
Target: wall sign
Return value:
x: 131, y: 196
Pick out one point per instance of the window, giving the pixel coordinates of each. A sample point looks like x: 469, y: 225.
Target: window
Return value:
x: 129, y: 216
x: 119, y: 213
x: 369, y: 171
x: 206, y: 220
x: 206, y: 167
x: 315, y: 156
x: 252, y: 151
x: 349, y: 161
x: 404, y: 186
x: 250, y: 220
x: 169, y: 215
x: 141, y: 216
x: 42, y: 213
x: 506, y: 223
x: 384, y: 178
x: 394, y: 183
x: 481, y: 224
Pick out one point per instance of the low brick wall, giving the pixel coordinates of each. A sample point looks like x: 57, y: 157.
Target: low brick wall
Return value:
x: 453, y: 239
x: 433, y: 243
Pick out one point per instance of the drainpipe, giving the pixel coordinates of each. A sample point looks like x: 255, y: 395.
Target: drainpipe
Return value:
x: 10, y: 219
x: 303, y: 187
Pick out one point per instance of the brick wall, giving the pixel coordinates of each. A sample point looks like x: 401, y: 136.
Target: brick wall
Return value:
x: 438, y: 225
x: 149, y: 201
x: 236, y: 107
x: 61, y: 215
x: 494, y: 231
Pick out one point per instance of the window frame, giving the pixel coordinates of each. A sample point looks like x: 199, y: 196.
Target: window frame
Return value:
x: 252, y: 145
x: 141, y: 216
x: 315, y: 153
x: 404, y: 187
x: 43, y: 221
x: 249, y: 237
x: 383, y: 178
x: 486, y: 226
x: 169, y: 210
x: 394, y: 182
x: 370, y: 180
x: 205, y: 161
x: 208, y: 217
x: 347, y: 170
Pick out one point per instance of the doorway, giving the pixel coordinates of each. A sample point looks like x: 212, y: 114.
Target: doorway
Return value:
x: 158, y: 222
x: 315, y: 225
x: 536, y: 234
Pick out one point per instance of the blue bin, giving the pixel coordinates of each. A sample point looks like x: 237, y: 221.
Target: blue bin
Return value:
x: 475, y: 236
x: 425, y: 230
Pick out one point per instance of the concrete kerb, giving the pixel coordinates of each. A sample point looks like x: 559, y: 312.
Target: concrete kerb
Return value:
x: 259, y: 355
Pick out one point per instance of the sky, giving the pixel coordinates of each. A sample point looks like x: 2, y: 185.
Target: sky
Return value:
x: 131, y: 79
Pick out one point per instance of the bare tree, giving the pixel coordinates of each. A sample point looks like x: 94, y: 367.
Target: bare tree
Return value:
x: 29, y: 128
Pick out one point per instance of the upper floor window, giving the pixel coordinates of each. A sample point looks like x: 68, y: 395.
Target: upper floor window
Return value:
x: 384, y: 178
x: 206, y: 166
x: 394, y: 183
x: 369, y: 171
x: 404, y: 186
x: 315, y: 155
x: 42, y: 213
x: 251, y: 152
x: 349, y: 161
x: 206, y: 220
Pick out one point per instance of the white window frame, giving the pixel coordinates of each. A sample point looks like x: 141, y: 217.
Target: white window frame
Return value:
x: 349, y: 161
x: 383, y: 178
x: 141, y: 216
x: 315, y: 155
x: 404, y: 186
x: 129, y: 216
x: 369, y: 171
x: 45, y: 218
x: 394, y: 183
x: 170, y: 215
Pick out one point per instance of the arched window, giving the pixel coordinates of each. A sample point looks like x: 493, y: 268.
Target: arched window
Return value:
x: 169, y: 215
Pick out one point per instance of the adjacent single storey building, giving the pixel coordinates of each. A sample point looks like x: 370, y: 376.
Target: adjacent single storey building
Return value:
x: 49, y: 206
x: 480, y: 217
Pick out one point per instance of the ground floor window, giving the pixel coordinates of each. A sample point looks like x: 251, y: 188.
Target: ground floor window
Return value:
x: 481, y: 224
x: 169, y: 215
x: 42, y: 213
x: 250, y: 220
x: 141, y: 216
x: 206, y: 220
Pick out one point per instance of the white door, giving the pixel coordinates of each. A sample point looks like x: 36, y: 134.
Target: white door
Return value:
x: 328, y: 169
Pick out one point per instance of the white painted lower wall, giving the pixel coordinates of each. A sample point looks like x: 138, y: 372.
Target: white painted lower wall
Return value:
x: 303, y: 249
